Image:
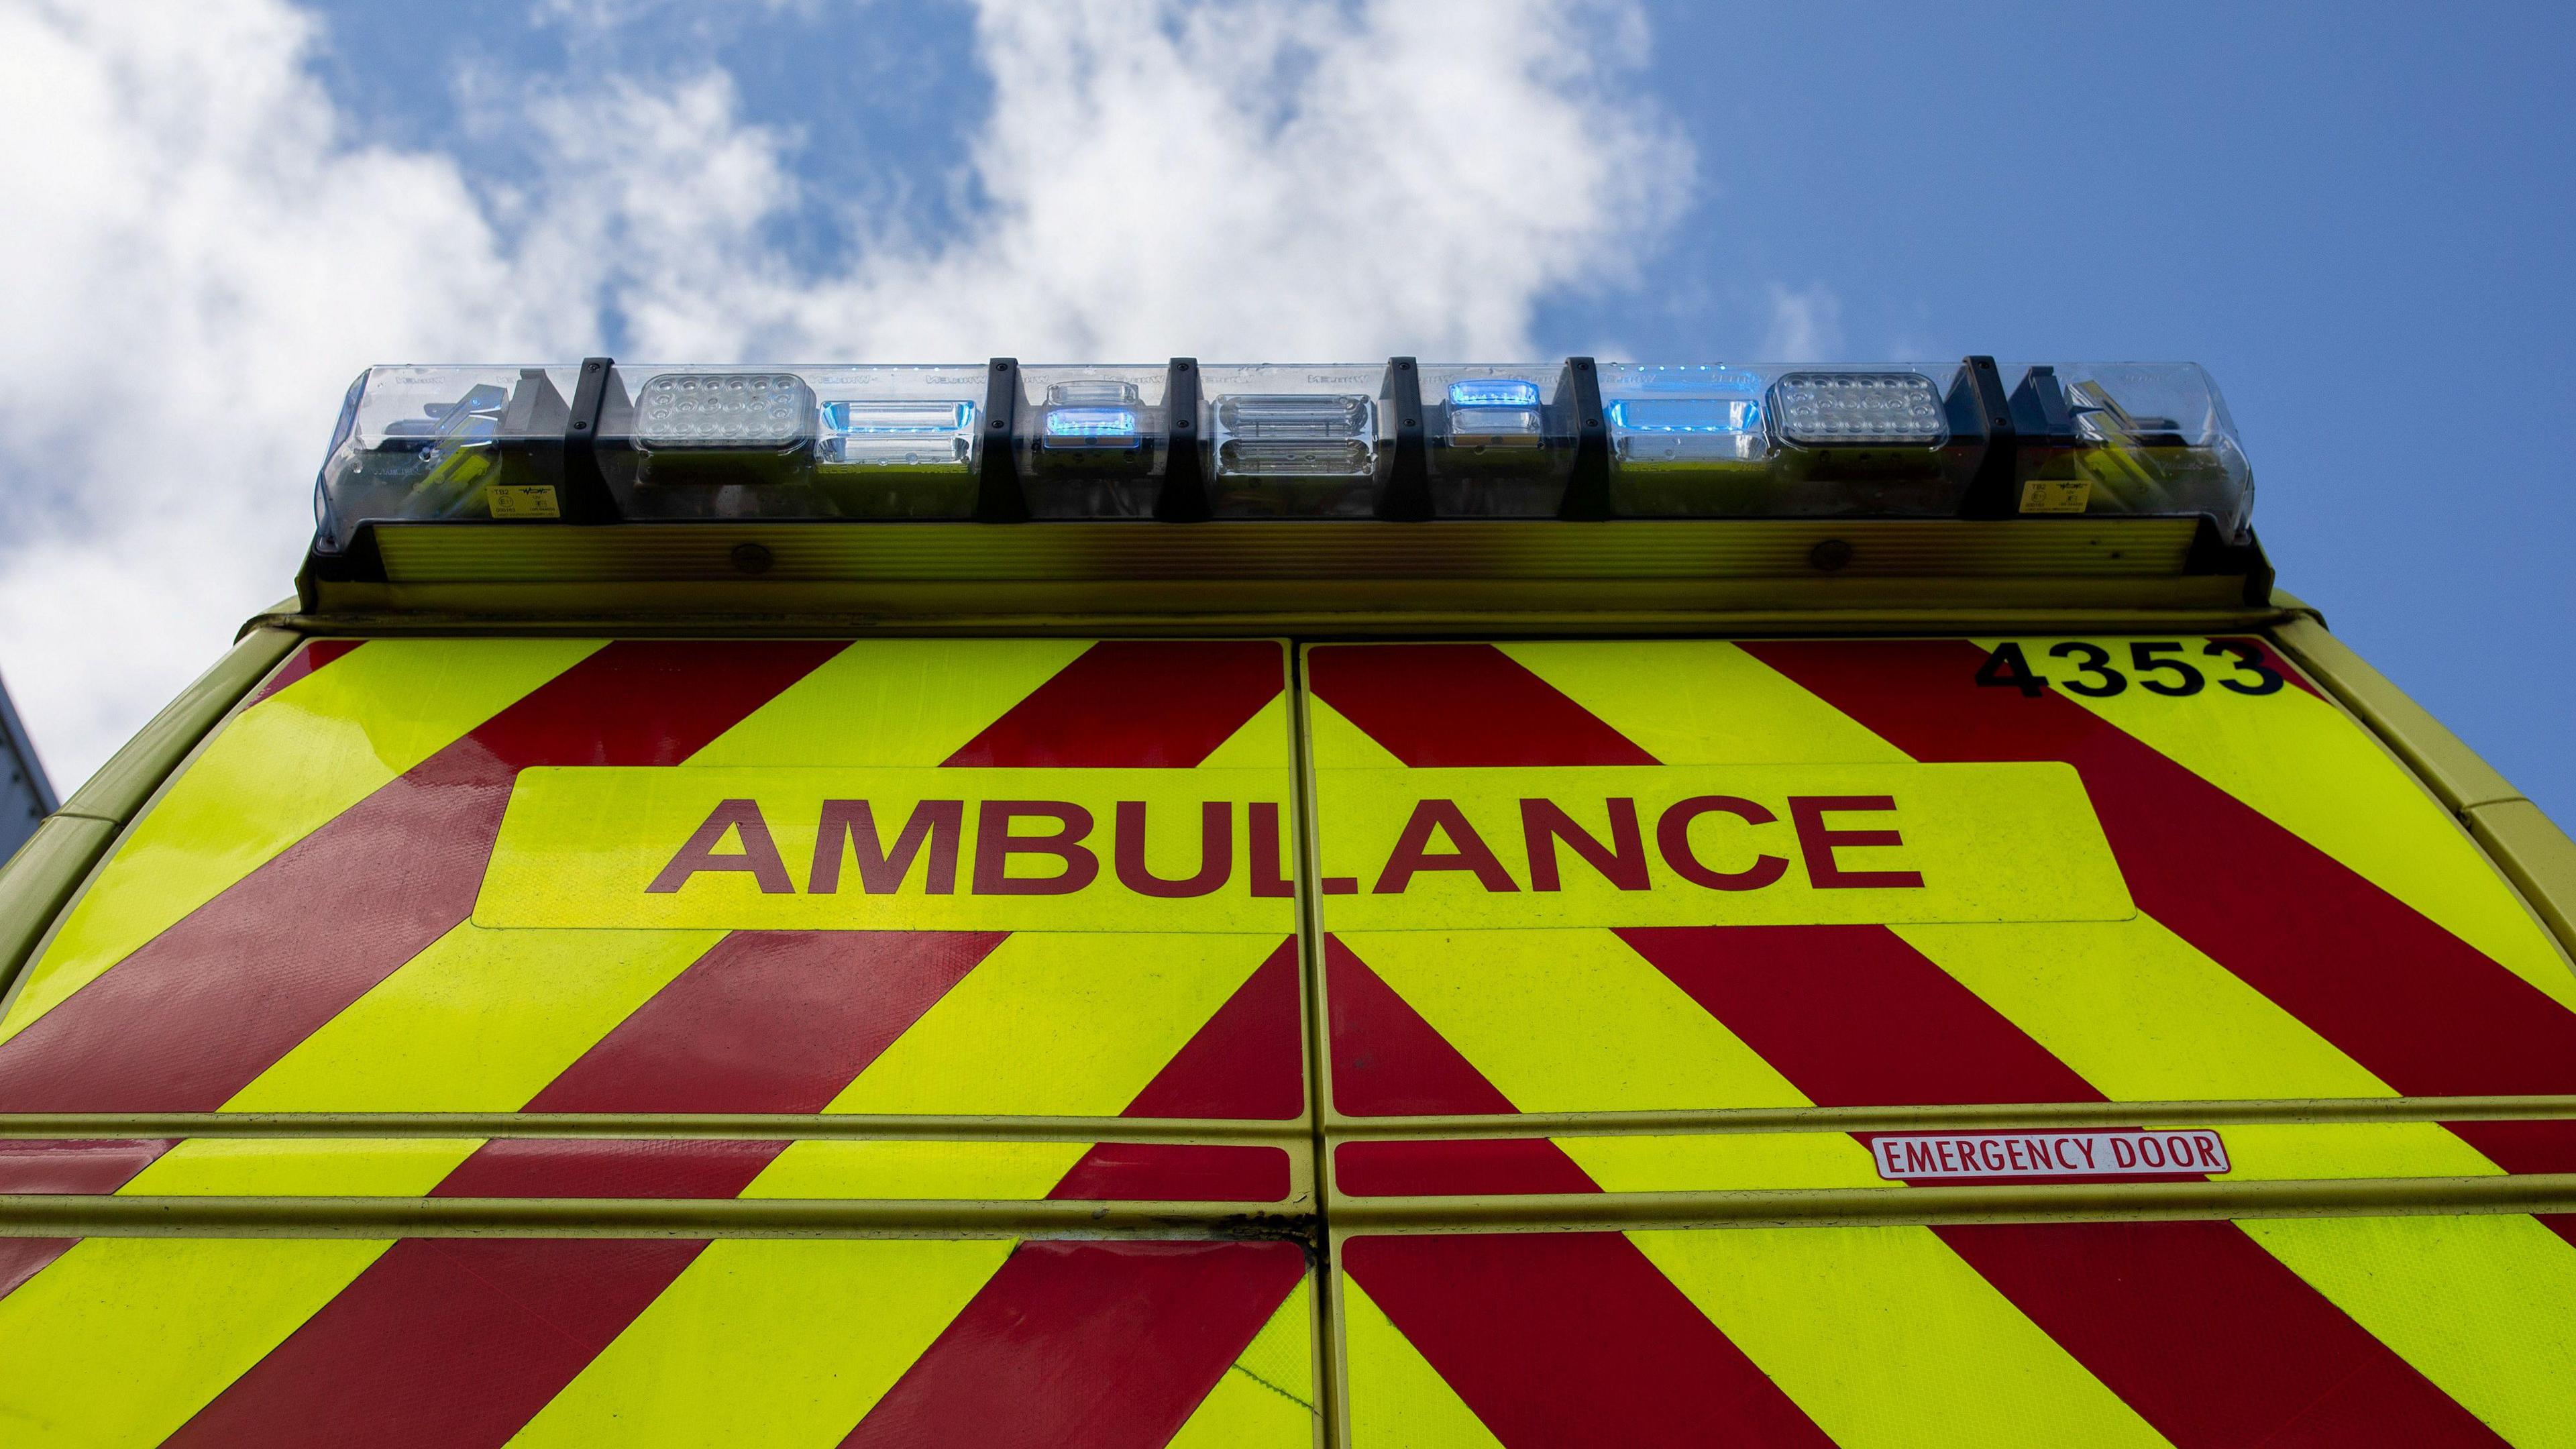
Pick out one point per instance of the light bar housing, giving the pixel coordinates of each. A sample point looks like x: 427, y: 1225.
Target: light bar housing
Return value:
x: 602, y: 442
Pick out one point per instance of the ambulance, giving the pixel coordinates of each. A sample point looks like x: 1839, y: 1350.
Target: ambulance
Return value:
x: 1392, y: 904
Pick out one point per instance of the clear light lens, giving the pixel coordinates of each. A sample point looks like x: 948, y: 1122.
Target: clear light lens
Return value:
x: 897, y: 434
x: 1828, y: 409
x: 1695, y: 380
x: 1686, y: 415
x: 1493, y: 392
x: 1090, y: 426
x: 1495, y: 427
x: 1295, y: 435
x: 723, y: 410
x: 1090, y: 392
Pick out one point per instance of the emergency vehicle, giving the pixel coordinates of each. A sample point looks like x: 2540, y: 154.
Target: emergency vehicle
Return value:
x: 1400, y: 904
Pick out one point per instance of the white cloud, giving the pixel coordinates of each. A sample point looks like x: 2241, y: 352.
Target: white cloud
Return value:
x: 201, y: 255
x: 1806, y: 324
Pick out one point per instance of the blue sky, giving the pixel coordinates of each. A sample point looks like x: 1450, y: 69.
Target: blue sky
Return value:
x: 2357, y: 216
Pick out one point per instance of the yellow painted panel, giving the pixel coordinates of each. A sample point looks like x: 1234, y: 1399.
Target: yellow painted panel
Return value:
x: 1884, y: 1337
x: 301, y: 1167
x: 1701, y: 702
x: 612, y: 846
x: 1070, y: 1025
x: 892, y: 702
x: 2484, y: 1306
x: 2310, y: 767
x: 1572, y: 1021
x: 1724, y: 1162
x: 279, y: 771
x: 1267, y: 1399
x: 2259, y: 1151
x: 1261, y: 744
x: 901, y: 1169
x: 1334, y: 743
x: 479, y: 1022
x: 768, y: 1341
x: 1397, y: 1400
x: 119, y: 1341
x: 2141, y: 1013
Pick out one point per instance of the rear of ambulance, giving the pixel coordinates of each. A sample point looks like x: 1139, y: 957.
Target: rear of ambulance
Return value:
x: 1400, y: 904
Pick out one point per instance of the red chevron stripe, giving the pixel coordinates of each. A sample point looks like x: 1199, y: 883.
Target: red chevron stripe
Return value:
x: 302, y: 662
x: 38, y: 1166
x: 2209, y: 1338
x: 1570, y: 1339
x: 2420, y: 1008
x: 442, y: 1343
x: 1135, y: 703
x: 609, y: 1168
x: 2535, y: 1146
x: 1859, y: 1014
x: 1176, y: 1172
x: 1434, y: 705
x: 1086, y: 1345
x: 1247, y: 1062
x: 1388, y: 1061
x: 1472, y: 1167
x: 768, y: 1021
x: 199, y: 1011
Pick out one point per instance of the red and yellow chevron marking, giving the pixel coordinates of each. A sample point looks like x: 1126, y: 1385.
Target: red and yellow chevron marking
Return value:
x: 292, y: 927
x: 460, y: 1342
x: 2306, y: 924
x: 2344, y: 1331
x: 838, y: 1169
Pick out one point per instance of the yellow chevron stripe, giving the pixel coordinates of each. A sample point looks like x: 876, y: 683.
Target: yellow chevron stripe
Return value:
x: 1397, y: 1399
x: 301, y: 1167
x: 1724, y: 1162
x: 2316, y: 772
x: 275, y: 774
x: 892, y: 702
x: 1074, y: 1024
x: 902, y: 1169
x: 120, y: 1340
x: 2484, y: 1306
x: 2141, y: 1013
x: 1261, y: 743
x: 1572, y: 1021
x: 1267, y: 1399
x: 1702, y: 701
x: 768, y: 1341
x: 481, y: 1021
x: 1334, y: 743
x: 1884, y: 1337
x: 2266, y: 1151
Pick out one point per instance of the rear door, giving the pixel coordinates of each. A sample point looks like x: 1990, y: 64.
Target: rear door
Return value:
x: 1921, y: 1041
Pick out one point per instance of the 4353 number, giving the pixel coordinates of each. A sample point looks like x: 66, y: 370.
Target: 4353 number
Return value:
x: 2158, y: 666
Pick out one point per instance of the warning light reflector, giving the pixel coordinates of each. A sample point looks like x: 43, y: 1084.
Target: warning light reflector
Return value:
x: 1103, y: 426
x: 896, y: 434
x: 1825, y: 409
x: 1292, y: 435
x: 1493, y: 392
x: 723, y: 410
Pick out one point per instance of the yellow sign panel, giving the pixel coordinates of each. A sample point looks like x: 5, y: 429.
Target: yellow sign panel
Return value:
x: 1447, y: 849
x: 892, y: 850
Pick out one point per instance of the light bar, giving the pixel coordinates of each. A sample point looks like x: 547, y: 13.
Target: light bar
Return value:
x: 601, y: 442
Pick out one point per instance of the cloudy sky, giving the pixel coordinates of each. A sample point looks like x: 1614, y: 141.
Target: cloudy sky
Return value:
x: 218, y: 210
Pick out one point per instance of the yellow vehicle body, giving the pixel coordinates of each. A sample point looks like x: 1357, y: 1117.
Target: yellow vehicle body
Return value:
x: 1274, y: 984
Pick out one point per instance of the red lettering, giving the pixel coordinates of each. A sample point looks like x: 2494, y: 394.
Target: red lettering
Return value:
x: 2013, y: 1149
x: 2063, y: 1158
x: 1944, y: 1147
x: 850, y: 827
x: 1991, y: 1154
x: 2124, y: 1151
x: 1413, y: 853
x: 1919, y: 1159
x: 2151, y: 1150
x: 2207, y: 1143
x: 1817, y: 842
x: 2086, y: 1143
x: 995, y: 845
x: 1216, y: 852
x: 1672, y: 836
x: 1268, y: 877
x: 1622, y: 862
x: 758, y: 857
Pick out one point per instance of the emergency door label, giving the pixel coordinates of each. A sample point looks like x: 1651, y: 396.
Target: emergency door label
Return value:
x: 1450, y: 849
x: 892, y: 850
x: 2122, y: 1152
